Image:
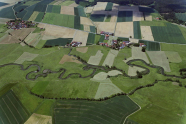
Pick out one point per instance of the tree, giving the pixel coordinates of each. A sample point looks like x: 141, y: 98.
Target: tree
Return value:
x: 97, y: 43
x: 139, y: 74
x: 143, y: 49
x: 77, y: 1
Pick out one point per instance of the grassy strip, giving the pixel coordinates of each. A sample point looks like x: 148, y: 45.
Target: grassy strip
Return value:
x: 39, y: 87
x: 39, y: 17
x: 108, y: 18
x: 137, y: 29
x: 109, y: 6
x: 149, y: 58
x: 40, y: 44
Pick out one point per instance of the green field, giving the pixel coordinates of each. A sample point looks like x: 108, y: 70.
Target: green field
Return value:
x: 11, y: 109
x: 39, y: 88
x: 104, y: 112
x: 49, y: 8
x: 108, y: 18
x: 21, y: 14
x: 79, y: 11
x: 93, y: 29
x: 58, y: 42
x: 29, y: 12
x: 137, y: 30
x: 40, y: 44
x: 125, y: 16
x: 97, y: 18
x: 150, y: 45
x: 56, y: 9
x: 181, y: 16
x: 91, y: 38
x: 7, y: 13
x: 39, y: 17
x: 109, y: 6
x: 169, y: 34
x: 66, y: 3
x: 152, y: 23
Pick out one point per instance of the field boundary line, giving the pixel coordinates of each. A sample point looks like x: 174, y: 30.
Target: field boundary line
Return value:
x: 19, y: 104
x: 133, y: 112
x: 6, y: 115
x: 1, y: 120
x: 14, y: 11
x: 10, y: 110
x: 15, y: 107
x: 116, y: 22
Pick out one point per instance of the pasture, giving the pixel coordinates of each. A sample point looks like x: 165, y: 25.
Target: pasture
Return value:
x: 110, y: 58
x: 137, y: 29
x: 81, y: 36
x: 108, y: 111
x: 89, y: 9
x: 95, y: 60
x: 39, y: 87
x: 150, y: 45
x: 40, y: 119
x: 25, y: 57
x: 159, y: 58
x: 173, y: 56
x: 125, y: 16
x: 39, y: 17
x: 132, y: 70
x: 100, y: 6
x: 12, y: 110
x: 152, y: 23
x: 82, y: 49
x: 169, y: 34
x: 97, y: 17
x: 124, y: 29
x: 91, y: 38
x: 147, y: 33
x: 105, y: 26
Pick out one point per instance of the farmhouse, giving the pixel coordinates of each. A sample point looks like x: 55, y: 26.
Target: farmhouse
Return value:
x: 18, y: 24
x: 106, y: 33
x: 75, y: 43
x: 142, y: 45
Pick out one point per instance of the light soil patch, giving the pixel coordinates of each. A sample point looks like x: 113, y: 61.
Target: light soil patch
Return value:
x: 138, y: 54
x: 56, y: 31
x: 146, y: 33
x: 48, y: 37
x: 110, y: 58
x: 73, y: 5
x: 67, y: 58
x: 82, y: 49
x: 106, y: 90
x: 113, y: 18
x: 138, y: 16
x: 102, y: 76
x: 175, y: 83
x: 95, y: 60
x: 86, y: 28
x: 67, y: 10
x: 26, y: 57
x: 173, y: 56
x: 159, y: 58
x: 102, y: 81
x: 81, y: 36
x: 86, y: 21
x: 9, y: 40
x: 148, y: 17
x: 3, y: 20
x: 23, y: 33
x: 134, y: 40
x: 124, y: 29
x: 114, y: 73
x: 89, y: 9
x: 39, y: 119
x: 33, y: 16
x: 105, y: 26
x: 132, y: 70
x: 129, y: 8
x: 100, y: 6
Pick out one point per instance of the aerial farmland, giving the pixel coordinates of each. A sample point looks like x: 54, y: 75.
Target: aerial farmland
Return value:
x: 71, y: 61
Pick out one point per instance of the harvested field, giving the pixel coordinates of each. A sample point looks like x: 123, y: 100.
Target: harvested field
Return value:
x: 114, y: 73
x: 39, y: 119
x: 9, y: 40
x: 125, y: 16
x: 67, y: 10
x: 106, y: 90
x: 148, y: 17
x: 138, y: 16
x: 110, y: 58
x: 21, y: 34
x: 95, y: 60
x: 86, y: 28
x: 56, y: 9
x: 173, y: 56
x: 82, y: 49
x: 48, y: 37
x: 132, y: 70
x: 129, y: 8
x: 81, y: 36
x: 138, y: 54
x: 159, y: 58
x: 85, y: 21
x: 67, y: 58
x: 100, y: 6
x: 146, y: 33
x: 26, y: 57
x: 113, y: 18
x: 33, y: 16
x: 89, y: 9
x: 124, y: 29
x: 105, y: 26
x: 56, y: 31
x: 30, y: 37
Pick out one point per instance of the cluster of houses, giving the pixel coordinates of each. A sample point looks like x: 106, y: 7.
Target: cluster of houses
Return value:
x: 18, y: 24
x: 75, y: 44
